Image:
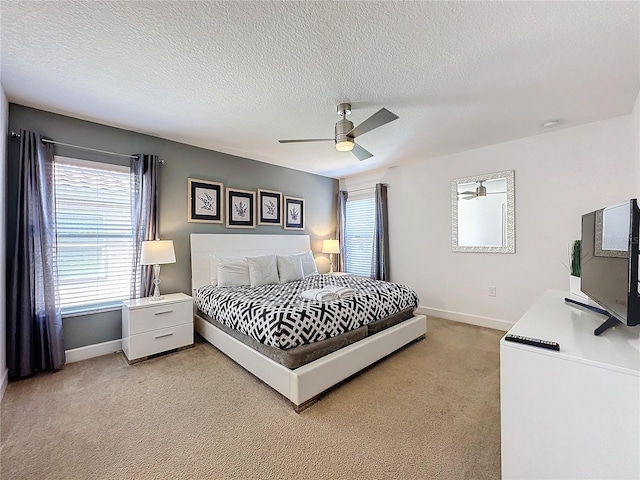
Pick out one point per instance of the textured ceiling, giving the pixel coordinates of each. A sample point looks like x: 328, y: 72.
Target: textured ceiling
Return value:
x: 237, y: 76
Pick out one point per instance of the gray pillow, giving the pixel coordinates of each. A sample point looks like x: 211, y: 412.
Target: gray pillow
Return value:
x: 290, y: 268
x: 308, y: 263
x: 263, y: 270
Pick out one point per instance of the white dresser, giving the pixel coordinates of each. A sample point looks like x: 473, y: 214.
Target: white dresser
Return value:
x: 149, y: 328
x: 574, y: 413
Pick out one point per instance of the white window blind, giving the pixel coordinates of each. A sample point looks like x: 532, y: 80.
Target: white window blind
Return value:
x: 95, y: 239
x: 359, y: 229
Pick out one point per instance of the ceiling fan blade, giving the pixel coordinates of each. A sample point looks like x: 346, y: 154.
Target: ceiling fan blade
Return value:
x: 495, y: 193
x: 467, y: 193
x: 376, y: 120
x: 360, y: 152
x: 305, y: 140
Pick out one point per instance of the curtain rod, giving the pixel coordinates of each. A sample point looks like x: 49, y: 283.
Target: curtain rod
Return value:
x: 367, y: 188
x: 48, y: 140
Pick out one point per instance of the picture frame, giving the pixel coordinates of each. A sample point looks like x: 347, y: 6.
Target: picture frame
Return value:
x: 269, y: 207
x: 241, y: 208
x: 294, y: 213
x: 205, y: 202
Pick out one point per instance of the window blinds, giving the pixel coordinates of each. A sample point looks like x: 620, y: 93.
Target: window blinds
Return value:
x: 95, y: 241
x: 359, y: 232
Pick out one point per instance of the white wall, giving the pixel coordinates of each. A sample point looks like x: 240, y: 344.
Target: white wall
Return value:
x: 635, y: 116
x: 4, y: 114
x: 559, y: 175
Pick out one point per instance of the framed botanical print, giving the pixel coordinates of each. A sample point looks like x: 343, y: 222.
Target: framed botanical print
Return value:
x: 269, y: 207
x: 293, y: 213
x: 241, y: 208
x: 205, y: 201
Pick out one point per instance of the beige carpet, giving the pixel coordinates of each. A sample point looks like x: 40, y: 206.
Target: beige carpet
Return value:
x: 430, y: 411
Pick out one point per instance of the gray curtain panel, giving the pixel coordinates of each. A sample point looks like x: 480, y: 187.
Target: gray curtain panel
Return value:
x: 34, y: 323
x: 144, y: 211
x: 340, y: 229
x: 380, y: 260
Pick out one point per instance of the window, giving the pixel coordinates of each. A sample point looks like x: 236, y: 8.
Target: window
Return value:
x: 95, y: 239
x: 359, y: 230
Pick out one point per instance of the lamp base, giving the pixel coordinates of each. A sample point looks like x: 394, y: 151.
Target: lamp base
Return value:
x: 156, y: 282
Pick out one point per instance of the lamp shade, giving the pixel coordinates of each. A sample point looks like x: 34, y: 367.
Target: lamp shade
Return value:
x: 330, y: 246
x: 157, y: 252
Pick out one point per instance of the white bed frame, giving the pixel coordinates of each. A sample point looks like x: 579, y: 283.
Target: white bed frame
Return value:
x: 302, y: 385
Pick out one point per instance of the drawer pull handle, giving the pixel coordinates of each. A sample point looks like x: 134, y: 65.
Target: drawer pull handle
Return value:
x: 162, y: 313
x: 164, y: 335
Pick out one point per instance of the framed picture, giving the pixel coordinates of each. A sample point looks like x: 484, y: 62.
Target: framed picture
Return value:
x: 205, y: 201
x: 269, y: 207
x: 241, y: 208
x: 293, y: 213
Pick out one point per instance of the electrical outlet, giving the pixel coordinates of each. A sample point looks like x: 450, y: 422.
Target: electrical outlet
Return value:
x: 492, y: 291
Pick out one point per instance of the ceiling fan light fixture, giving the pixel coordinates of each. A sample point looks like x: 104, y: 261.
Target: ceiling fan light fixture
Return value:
x: 481, y: 191
x: 346, y: 133
x: 344, y: 145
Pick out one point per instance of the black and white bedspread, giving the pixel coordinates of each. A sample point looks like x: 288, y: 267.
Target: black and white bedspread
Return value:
x: 275, y: 314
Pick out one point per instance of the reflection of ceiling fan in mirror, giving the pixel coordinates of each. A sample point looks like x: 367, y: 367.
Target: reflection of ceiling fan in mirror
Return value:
x: 345, y: 131
x: 481, y: 192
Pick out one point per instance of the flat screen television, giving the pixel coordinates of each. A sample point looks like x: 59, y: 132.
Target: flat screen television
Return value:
x: 609, y: 257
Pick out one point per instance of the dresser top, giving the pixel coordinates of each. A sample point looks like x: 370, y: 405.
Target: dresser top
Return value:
x: 551, y: 318
x: 147, y: 302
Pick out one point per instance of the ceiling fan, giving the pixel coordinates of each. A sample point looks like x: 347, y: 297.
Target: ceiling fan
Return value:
x: 346, y: 133
x: 481, y: 192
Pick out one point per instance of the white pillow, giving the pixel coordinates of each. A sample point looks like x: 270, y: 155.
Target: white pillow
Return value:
x: 290, y: 268
x: 213, y: 268
x: 233, y: 271
x: 263, y: 270
x: 308, y: 263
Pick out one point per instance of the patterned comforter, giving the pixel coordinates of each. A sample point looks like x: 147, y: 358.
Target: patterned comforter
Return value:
x: 275, y: 314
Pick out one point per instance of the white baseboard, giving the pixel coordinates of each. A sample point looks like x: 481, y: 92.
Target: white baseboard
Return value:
x: 90, y: 351
x: 494, y: 323
x: 4, y: 381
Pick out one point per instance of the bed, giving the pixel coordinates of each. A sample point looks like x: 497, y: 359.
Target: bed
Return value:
x: 303, y: 364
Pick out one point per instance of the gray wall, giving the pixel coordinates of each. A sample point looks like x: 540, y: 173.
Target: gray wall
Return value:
x: 181, y: 162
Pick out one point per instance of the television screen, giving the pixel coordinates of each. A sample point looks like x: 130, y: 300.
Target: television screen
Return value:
x: 609, y: 256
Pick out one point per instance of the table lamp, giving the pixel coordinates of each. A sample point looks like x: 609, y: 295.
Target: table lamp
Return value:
x: 156, y: 253
x: 330, y: 247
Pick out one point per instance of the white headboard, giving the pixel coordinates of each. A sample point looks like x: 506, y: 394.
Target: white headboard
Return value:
x: 244, y: 245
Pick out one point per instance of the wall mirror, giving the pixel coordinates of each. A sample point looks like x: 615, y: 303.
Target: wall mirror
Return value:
x: 483, y: 213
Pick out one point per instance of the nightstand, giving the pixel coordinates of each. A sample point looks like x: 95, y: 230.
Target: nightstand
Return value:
x: 149, y: 328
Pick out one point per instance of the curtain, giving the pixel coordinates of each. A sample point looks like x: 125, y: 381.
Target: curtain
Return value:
x: 380, y: 260
x: 340, y: 229
x: 34, y: 322
x: 145, y: 218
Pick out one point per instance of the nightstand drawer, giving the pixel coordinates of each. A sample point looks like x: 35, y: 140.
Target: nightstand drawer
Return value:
x: 149, y: 343
x: 155, y: 317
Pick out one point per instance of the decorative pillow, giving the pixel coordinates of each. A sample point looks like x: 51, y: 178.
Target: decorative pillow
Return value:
x: 263, y: 270
x: 290, y: 268
x: 308, y: 263
x: 233, y: 271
